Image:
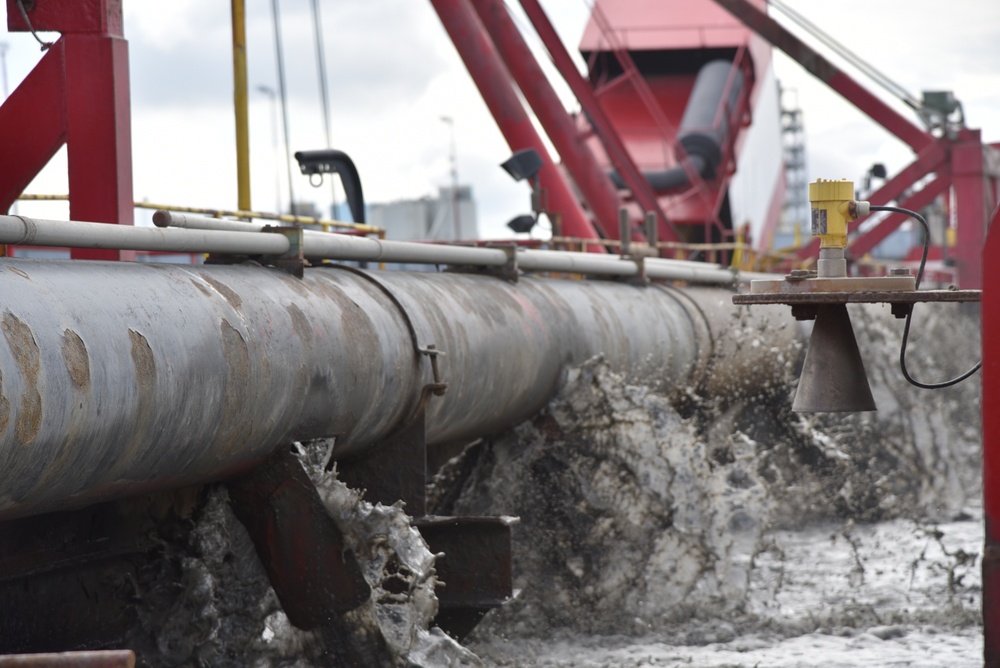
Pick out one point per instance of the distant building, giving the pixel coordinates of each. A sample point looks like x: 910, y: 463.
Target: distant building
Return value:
x: 305, y: 208
x: 429, y: 218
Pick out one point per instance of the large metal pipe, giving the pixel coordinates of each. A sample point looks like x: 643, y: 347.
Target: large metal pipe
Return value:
x: 121, y: 378
x: 484, y: 65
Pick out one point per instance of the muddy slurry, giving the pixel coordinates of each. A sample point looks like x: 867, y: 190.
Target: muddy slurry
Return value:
x: 205, y: 599
x: 703, y: 525
x: 682, y: 522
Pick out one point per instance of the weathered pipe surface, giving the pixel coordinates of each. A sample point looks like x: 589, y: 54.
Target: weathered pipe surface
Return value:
x: 121, y: 378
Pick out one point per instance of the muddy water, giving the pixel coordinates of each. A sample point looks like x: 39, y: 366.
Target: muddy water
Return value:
x: 658, y: 532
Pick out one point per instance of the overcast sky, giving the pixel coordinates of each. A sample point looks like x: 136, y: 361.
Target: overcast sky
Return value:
x: 393, y: 74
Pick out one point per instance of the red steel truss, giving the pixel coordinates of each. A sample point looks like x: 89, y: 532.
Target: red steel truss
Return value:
x: 963, y: 165
x: 77, y: 95
x: 480, y: 57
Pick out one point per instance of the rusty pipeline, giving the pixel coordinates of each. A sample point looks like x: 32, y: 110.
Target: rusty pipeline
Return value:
x: 121, y: 378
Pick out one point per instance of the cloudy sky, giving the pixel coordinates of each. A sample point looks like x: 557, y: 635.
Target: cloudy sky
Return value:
x: 393, y: 73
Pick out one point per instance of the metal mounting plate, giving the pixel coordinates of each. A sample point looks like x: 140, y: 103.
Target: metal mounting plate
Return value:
x: 793, y: 284
x: 869, y: 297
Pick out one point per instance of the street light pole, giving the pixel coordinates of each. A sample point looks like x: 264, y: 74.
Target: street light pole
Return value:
x: 266, y: 90
x: 455, y: 216
x: 3, y: 67
x: 280, y: 58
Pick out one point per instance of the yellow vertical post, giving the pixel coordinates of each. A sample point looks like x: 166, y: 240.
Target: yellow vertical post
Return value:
x: 241, y: 105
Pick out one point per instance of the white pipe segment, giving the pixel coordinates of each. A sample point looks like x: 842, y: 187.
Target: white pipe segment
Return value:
x: 194, y: 234
x: 343, y: 247
x: 21, y: 230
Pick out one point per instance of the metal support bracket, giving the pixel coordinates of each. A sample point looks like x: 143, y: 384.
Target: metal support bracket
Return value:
x: 293, y: 261
x: 632, y: 252
x: 314, y: 573
x: 475, y: 568
x: 508, y: 271
x: 640, y: 278
x: 439, y: 386
x: 312, y: 570
x: 805, y: 304
x: 405, y: 480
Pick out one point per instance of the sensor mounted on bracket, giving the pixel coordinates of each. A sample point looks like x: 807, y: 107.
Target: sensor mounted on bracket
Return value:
x: 833, y: 375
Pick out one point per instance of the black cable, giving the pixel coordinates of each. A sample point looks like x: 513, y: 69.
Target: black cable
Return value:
x: 24, y: 15
x: 909, y: 315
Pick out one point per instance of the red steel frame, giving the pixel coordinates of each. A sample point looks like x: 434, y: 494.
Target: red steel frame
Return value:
x: 961, y: 162
x: 631, y: 75
x: 77, y: 95
x: 480, y: 57
x: 991, y: 444
x: 479, y: 42
x: 595, y: 186
x: 602, y: 125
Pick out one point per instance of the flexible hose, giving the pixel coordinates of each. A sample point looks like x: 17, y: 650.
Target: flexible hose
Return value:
x: 909, y: 315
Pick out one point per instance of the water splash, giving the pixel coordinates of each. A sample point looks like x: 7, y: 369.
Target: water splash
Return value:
x: 643, y: 515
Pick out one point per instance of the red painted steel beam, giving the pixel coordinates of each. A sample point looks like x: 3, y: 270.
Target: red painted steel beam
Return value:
x: 876, y: 235
x: 594, y: 184
x: 880, y: 112
x: 484, y: 65
x: 102, y: 17
x: 32, y: 125
x: 969, y: 182
x: 99, y: 134
x: 931, y: 159
x: 79, y: 95
x: 602, y: 125
x: 991, y: 443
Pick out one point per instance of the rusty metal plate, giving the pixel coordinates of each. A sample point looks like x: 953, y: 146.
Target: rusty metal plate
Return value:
x: 118, y: 658
x: 314, y: 574
x: 873, y: 297
x: 476, y: 568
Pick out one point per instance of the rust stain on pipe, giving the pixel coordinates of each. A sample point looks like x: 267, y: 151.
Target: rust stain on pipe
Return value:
x: 145, y: 384
x: 300, y: 323
x: 22, y: 274
x: 224, y: 290
x: 145, y: 364
x: 77, y: 360
x: 22, y: 345
x: 4, y: 409
x: 237, y: 381
x: 201, y: 288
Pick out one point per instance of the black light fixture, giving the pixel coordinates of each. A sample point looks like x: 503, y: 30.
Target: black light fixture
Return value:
x: 525, y: 165
x: 522, y: 224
